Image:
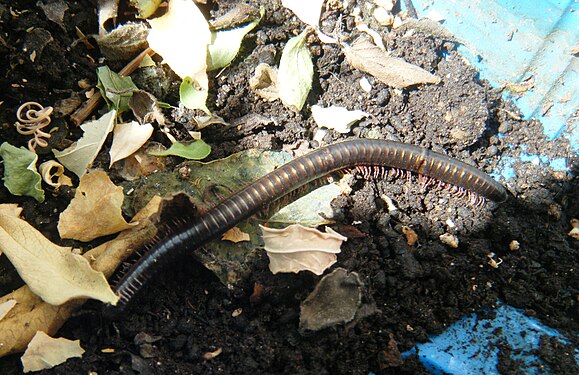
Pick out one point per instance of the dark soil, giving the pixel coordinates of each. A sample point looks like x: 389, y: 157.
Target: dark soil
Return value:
x: 417, y: 290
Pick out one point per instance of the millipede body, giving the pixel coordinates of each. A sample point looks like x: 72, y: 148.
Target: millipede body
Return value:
x: 293, y: 175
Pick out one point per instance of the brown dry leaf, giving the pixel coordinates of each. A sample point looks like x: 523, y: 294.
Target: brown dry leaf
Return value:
x: 393, y: 71
x: 235, y: 235
x: 95, y: 210
x: 31, y: 314
x: 5, y: 307
x: 49, y: 173
x: 45, y: 352
x: 52, y: 272
x: 297, y: 248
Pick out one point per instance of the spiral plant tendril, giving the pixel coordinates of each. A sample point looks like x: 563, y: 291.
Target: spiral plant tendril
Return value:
x: 35, y: 118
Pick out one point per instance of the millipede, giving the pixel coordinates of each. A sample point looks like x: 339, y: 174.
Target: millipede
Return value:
x: 369, y: 156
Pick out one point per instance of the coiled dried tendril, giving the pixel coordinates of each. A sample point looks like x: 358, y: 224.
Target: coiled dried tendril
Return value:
x: 34, y: 120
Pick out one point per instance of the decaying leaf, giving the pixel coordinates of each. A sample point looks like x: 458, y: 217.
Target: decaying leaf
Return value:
x: 20, y: 175
x: 296, y: 72
x: 45, y: 352
x: 297, y: 248
x: 335, y: 300
x: 5, y: 307
x: 115, y: 89
x: 337, y: 118
x: 307, y: 11
x: 145, y: 107
x: 141, y: 163
x: 52, y: 272
x: 106, y: 10
x: 95, y: 210
x: 264, y: 82
x: 393, y: 71
x: 146, y: 7
x: 124, y: 42
x: 78, y: 157
x: 127, y: 139
x: 235, y: 235
x: 195, y: 150
x: 49, y: 170
x: 225, y: 44
x: 31, y: 314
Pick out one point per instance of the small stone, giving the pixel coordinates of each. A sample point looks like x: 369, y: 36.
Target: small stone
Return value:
x: 365, y: 84
x: 514, y: 245
x: 384, y: 17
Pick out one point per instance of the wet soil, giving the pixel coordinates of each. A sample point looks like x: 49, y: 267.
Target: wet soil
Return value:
x: 417, y: 290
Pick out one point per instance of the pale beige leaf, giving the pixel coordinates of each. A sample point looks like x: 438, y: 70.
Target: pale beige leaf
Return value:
x: 49, y: 170
x: 297, y: 248
x: 10, y: 209
x: 127, y: 139
x: 95, y: 210
x: 52, y: 272
x: 337, y: 118
x: 32, y: 314
x: 393, y: 71
x: 307, y: 11
x: 5, y: 307
x: 78, y: 157
x: 264, y: 82
x: 181, y: 37
x: 45, y: 352
x: 235, y: 235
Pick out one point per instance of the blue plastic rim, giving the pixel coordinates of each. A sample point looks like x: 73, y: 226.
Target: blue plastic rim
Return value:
x: 511, y: 41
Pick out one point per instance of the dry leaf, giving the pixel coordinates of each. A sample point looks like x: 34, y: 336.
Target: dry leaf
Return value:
x: 181, y: 37
x: 338, y: 118
x: 264, y: 82
x: 48, y: 174
x: 95, y: 210
x: 235, y: 235
x: 124, y: 42
x: 45, y: 352
x: 127, y: 139
x: 78, y: 157
x: 297, y: 248
x: 5, y: 307
x: 31, y: 314
x: 10, y: 209
x: 52, y: 272
x: 307, y: 11
x: 395, y: 72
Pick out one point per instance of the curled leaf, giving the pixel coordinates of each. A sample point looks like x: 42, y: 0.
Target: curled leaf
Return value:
x: 193, y: 94
x: 95, y: 210
x: 296, y: 72
x: 297, y: 248
x: 337, y: 118
x: 395, y: 72
x: 45, y: 352
x: 264, y: 82
x: 78, y: 157
x: 124, y: 42
x: 49, y: 170
x: 20, y: 175
x: 195, y: 150
x: 52, y: 272
x: 127, y: 139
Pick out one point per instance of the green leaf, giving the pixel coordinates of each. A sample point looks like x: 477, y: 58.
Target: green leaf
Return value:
x: 116, y: 90
x: 192, y: 95
x: 296, y: 72
x: 20, y: 175
x: 225, y: 44
x: 196, y: 150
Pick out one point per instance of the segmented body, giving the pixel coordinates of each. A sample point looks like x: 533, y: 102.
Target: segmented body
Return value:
x: 295, y: 174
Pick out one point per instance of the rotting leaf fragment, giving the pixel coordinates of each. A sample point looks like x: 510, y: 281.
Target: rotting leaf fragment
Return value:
x: 394, y: 72
x: 45, y: 352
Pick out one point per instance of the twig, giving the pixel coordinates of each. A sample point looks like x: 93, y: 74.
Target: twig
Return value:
x: 89, y: 106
